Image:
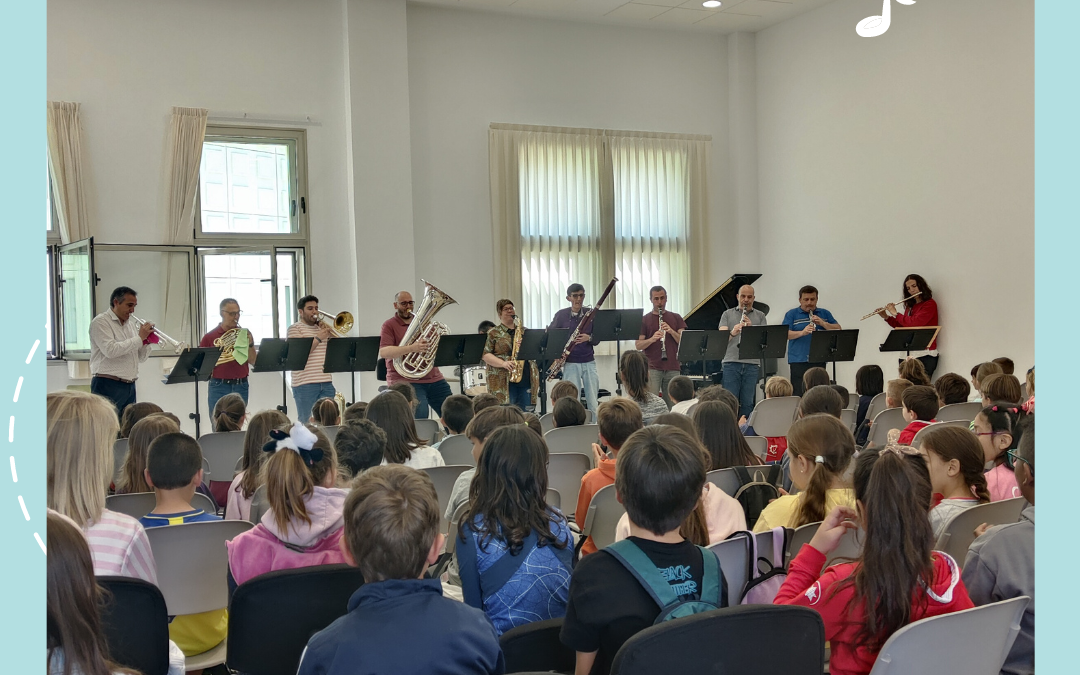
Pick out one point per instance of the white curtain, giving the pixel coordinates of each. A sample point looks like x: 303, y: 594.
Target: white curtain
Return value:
x: 187, y: 129
x: 65, y: 170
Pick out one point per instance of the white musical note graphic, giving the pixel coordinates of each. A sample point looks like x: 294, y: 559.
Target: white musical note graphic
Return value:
x: 873, y: 26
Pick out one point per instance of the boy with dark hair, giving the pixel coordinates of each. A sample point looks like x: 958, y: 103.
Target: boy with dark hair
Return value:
x: 563, y: 389
x: 482, y: 401
x: 1007, y: 365
x: 920, y: 406
x: 357, y: 411
x: 457, y: 412
x: 661, y: 474
x: 360, y: 445
x: 681, y: 392
x: 952, y: 388
x: 617, y: 419
x: 406, y: 390
x: 392, y: 535
x: 568, y: 412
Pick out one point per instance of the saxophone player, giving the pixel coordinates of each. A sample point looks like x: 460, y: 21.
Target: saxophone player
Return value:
x: 431, y: 389
x: 498, y: 353
x: 230, y: 375
x: 664, y: 330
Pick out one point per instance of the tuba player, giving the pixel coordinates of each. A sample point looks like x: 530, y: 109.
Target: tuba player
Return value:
x: 431, y: 389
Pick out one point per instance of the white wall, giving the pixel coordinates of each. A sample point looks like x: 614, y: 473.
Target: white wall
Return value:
x: 909, y: 152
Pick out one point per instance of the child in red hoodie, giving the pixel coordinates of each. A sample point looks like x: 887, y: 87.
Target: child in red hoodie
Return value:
x: 617, y: 419
x: 920, y: 407
x: 892, y: 491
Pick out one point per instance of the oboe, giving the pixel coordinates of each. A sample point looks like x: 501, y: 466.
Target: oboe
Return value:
x: 663, y: 337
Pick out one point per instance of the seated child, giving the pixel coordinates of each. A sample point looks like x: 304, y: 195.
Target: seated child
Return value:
x: 869, y: 382
x: 814, y: 377
x: 998, y: 430
x: 1001, y: 563
x: 391, y: 412
x: 406, y: 390
x: 457, y: 412
x: 718, y: 393
x: 392, y: 535
x: 478, y: 429
x: 660, y: 478
x: 719, y: 435
x: 845, y: 395
x: 133, y: 471
x: 897, y: 578
x: 325, y: 413
x: 568, y: 412
x: 511, y: 534
x: 617, y: 419
x: 245, y: 483
x: 359, y: 446
x: 952, y: 388
x: 920, y: 406
x: 229, y: 413
x: 894, y: 394
x: 357, y: 411
x: 681, y: 392
x: 821, y: 448
x: 914, y: 371
x: 1029, y: 405
x: 955, y: 459
x: 563, y: 389
x: 302, y: 527
x: 998, y: 388
x: 1007, y: 365
x: 174, y: 470
x: 776, y: 386
x: 135, y: 412
x: 484, y: 401
x: 980, y: 373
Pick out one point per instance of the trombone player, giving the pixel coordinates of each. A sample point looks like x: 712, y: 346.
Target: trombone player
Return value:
x: 237, y: 344
x: 311, y: 383
x: 117, y: 346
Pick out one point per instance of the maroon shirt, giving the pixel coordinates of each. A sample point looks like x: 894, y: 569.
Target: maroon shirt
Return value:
x: 393, y: 330
x: 231, y: 370
x: 650, y: 323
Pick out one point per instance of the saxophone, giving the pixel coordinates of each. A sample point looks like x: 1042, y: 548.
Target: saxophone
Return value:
x: 519, y: 366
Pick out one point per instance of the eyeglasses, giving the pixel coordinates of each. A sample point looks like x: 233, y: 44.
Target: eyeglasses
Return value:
x: 987, y: 433
x: 1011, y: 458
x: 577, y: 295
x: 407, y: 303
x: 236, y: 313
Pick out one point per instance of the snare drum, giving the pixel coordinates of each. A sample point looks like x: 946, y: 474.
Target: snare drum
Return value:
x: 475, y: 380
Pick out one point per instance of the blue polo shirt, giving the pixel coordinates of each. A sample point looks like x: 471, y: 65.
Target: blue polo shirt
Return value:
x: 798, y: 351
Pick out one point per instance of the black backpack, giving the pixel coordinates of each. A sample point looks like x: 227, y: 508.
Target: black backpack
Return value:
x: 756, y: 490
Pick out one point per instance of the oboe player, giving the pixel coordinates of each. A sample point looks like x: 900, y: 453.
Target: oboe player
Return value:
x: 580, y: 367
x: 741, y: 375
x: 663, y: 340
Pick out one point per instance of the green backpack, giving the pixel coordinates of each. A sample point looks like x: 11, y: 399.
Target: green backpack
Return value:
x: 671, y: 607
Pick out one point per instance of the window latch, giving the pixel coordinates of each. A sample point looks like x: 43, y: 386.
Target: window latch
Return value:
x: 303, y: 205
x: 292, y: 208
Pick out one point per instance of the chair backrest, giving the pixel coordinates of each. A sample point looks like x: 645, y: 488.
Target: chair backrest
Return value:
x: 138, y: 504
x: 553, y: 498
x: 734, y: 556
x: 221, y: 450
x: 1023, y: 391
x: 930, y: 645
x: 547, y: 422
x: 536, y: 646
x: 847, y: 416
x: 849, y: 548
x: 921, y: 433
x: 259, y: 505
x: 892, y: 418
x: 427, y: 430
x: 959, y: 411
x: 590, y: 416
x: 120, y: 450
x: 800, y: 537
x: 730, y: 636
x: 729, y: 482
x: 773, y: 416
x: 136, y: 625
x: 877, y: 404
x: 331, y: 431
x: 959, y: 532
x: 261, y: 640
x: 573, y: 439
x: 759, y: 445
x: 444, y: 478
x: 565, y: 471
x: 192, y: 563
x: 853, y: 401
x: 603, y: 517
x: 457, y: 451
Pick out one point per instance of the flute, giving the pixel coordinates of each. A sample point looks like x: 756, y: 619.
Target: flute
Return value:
x: 882, y: 309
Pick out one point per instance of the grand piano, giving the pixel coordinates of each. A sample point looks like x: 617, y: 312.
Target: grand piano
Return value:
x: 706, y: 316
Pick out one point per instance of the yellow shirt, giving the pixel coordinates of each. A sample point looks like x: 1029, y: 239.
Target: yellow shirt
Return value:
x: 198, y: 633
x: 785, y: 510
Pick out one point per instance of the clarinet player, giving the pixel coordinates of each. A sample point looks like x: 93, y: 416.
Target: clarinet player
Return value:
x: 741, y: 375
x: 664, y: 330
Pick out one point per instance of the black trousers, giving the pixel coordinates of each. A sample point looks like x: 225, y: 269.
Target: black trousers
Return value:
x: 797, y: 372
x: 120, y: 393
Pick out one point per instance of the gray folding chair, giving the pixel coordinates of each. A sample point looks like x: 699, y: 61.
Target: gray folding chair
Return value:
x: 331, y: 431
x: 959, y: 411
x: 759, y: 444
x: 573, y: 439
x: 893, y: 418
x: 590, y: 416
x: 553, y: 498
x: 427, y: 430
x: 920, y: 434
x: 603, y: 517
x: 221, y: 450
x: 259, y: 505
x: 930, y: 645
x: 457, y: 451
x: 773, y: 416
x: 726, y: 480
x: 565, y: 471
x: 877, y: 404
x: 853, y: 401
x: 734, y: 556
x: 849, y: 549
x: 959, y: 532
x: 847, y: 416
x: 120, y: 450
x: 192, y: 566
x: 444, y: 478
x: 138, y: 504
x: 547, y: 422
x: 1023, y: 391
x: 800, y: 537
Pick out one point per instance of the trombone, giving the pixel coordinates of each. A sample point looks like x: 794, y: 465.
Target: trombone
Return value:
x: 339, y: 325
x: 177, y: 345
x: 882, y: 309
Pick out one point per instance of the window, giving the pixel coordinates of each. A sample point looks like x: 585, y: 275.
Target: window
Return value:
x: 253, y: 277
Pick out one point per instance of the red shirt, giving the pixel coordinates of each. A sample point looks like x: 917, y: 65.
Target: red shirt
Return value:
x: 910, y: 430
x: 922, y: 314
x: 231, y: 370
x: 650, y: 323
x: 393, y: 330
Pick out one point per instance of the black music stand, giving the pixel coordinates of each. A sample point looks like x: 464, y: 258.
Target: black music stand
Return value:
x: 276, y: 355
x: 351, y: 355
x: 833, y: 345
x: 703, y: 345
x: 543, y: 345
x: 193, y: 365
x: 910, y: 339
x: 461, y: 349
x: 763, y: 342
x: 611, y: 324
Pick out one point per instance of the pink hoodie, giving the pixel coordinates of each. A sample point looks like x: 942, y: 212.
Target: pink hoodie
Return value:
x: 723, y: 516
x: 265, y: 549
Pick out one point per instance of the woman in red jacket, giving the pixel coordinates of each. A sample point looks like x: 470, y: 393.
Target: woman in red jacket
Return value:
x: 897, y: 578
x: 918, y: 311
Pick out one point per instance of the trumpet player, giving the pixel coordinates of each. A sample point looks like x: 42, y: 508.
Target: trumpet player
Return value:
x: 664, y: 330
x: 117, y: 347
x: 801, y: 322
x: 741, y: 375
x: 498, y: 355
x: 431, y: 389
x: 311, y: 383
x: 230, y: 375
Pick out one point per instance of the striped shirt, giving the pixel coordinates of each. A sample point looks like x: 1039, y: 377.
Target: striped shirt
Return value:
x: 119, y: 546
x: 313, y: 372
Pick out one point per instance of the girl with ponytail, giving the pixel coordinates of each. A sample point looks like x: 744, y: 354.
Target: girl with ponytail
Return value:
x: 955, y: 459
x: 229, y: 413
x: 998, y: 428
x: 897, y: 578
x: 820, y: 448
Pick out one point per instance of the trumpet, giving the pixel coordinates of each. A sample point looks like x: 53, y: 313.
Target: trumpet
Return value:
x: 882, y: 309
x: 339, y: 325
x: 157, y: 336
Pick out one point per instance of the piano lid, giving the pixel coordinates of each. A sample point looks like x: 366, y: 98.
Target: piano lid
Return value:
x: 706, y: 314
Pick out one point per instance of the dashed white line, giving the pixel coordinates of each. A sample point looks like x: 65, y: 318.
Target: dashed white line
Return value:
x: 25, y: 513
x: 32, y: 350
x: 14, y: 476
x: 18, y: 388
x: 40, y: 543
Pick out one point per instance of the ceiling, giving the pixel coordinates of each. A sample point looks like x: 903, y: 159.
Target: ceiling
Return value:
x: 731, y: 16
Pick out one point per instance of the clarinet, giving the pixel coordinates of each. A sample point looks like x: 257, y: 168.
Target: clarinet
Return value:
x: 663, y: 339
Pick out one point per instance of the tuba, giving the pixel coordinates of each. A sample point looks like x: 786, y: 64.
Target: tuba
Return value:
x: 416, y: 365
x: 519, y: 366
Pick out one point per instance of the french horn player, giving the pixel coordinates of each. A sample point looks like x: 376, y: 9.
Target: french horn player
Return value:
x: 511, y: 380
x: 237, y: 345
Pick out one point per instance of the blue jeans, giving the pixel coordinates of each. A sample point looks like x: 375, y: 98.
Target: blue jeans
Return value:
x: 433, y: 393
x: 585, y: 377
x: 741, y: 379
x: 305, y: 396
x: 520, y: 396
x: 218, y: 388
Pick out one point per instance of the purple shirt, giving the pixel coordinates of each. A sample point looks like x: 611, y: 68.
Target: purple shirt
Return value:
x: 582, y: 353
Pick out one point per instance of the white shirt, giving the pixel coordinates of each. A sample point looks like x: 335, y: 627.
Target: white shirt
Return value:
x: 683, y: 407
x: 423, y: 457
x: 116, y: 348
